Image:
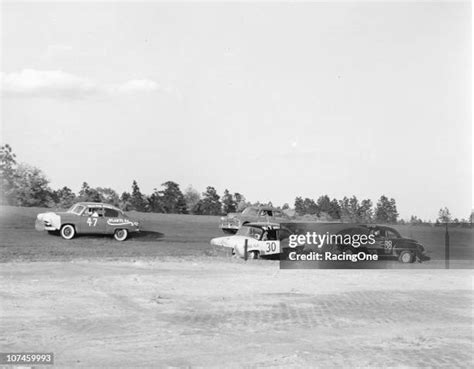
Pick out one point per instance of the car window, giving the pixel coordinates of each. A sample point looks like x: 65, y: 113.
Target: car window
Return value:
x: 272, y: 235
x: 378, y: 232
x: 283, y: 234
x: 266, y: 213
x: 94, y: 211
x: 76, y: 209
x: 358, y: 231
x: 391, y: 234
x: 253, y: 232
x: 249, y: 211
x: 111, y: 213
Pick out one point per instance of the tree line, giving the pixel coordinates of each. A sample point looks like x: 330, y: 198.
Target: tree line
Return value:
x: 25, y: 185
x: 349, y: 209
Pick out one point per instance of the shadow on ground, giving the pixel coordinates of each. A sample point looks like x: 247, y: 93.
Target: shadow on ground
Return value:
x: 144, y: 236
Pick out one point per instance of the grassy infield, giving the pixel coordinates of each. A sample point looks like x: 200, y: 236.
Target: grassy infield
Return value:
x: 166, y: 235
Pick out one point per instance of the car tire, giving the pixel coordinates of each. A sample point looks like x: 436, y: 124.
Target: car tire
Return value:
x: 406, y: 257
x: 68, y: 231
x: 252, y: 255
x: 120, y: 234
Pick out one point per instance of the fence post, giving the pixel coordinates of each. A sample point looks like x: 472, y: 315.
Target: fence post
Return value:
x: 446, y: 247
x: 246, y: 246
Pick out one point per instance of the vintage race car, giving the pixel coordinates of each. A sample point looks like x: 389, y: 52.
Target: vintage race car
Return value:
x: 261, y: 239
x: 388, y: 242
x: 233, y: 221
x: 88, y: 218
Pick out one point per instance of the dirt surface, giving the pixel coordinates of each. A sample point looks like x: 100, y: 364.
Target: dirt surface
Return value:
x: 168, y: 299
x: 226, y: 313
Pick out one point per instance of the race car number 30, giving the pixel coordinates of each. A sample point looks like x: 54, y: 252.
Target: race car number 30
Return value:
x: 270, y: 246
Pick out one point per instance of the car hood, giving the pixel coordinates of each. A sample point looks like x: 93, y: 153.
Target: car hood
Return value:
x: 50, y: 219
x: 409, y: 241
x: 233, y: 215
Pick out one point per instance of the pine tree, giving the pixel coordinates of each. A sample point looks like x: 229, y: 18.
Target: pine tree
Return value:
x: 229, y: 204
x: 7, y: 174
x: 386, y: 210
x: 365, y: 211
x: 64, y: 197
x: 172, y: 199
x: 444, y: 216
x: 335, y: 209
x: 299, y: 206
x: 137, y: 200
x: 89, y: 194
x: 191, y: 197
x: 210, y: 203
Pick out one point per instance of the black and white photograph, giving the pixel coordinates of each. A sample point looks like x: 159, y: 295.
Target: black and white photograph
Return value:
x: 236, y: 184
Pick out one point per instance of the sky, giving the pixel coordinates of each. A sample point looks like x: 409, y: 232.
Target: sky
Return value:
x: 272, y: 100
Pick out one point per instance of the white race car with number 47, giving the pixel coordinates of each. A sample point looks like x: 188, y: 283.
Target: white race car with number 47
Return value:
x: 88, y: 218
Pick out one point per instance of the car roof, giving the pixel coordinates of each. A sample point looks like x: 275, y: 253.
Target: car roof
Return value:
x: 90, y: 203
x: 264, y: 225
x: 263, y: 208
x: 382, y: 227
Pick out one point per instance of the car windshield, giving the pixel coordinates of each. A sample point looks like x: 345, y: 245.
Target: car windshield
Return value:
x: 392, y: 233
x: 253, y: 232
x: 76, y: 209
x: 249, y: 211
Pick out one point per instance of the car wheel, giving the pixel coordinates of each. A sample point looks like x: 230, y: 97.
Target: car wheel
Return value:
x: 68, y: 231
x: 406, y: 257
x: 252, y: 254
x: 120, y: 234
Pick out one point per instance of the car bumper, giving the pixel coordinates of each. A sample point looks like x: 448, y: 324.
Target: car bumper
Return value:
x: 229, y: 226
x: 42, y: 226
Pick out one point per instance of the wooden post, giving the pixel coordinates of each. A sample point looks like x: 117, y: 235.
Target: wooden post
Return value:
x: 446, y: 247
x: 246, y: 247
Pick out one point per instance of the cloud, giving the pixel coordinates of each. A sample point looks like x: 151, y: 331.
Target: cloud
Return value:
x: 59, y: 84
x: 137, y: 85
x: 34, y: 83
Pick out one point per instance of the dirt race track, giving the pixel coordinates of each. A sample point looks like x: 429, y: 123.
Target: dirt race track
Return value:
x: 177, y: 302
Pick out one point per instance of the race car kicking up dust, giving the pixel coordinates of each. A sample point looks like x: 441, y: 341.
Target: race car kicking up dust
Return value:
x: 262, y: 239
x: 88, y: 218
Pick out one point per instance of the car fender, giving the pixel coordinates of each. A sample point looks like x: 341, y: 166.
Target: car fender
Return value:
x: 48, y: 221
x: 252, y: 245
